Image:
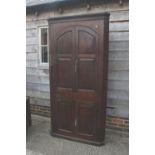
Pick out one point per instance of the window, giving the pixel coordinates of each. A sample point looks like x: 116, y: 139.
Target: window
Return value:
x: 43, y: 45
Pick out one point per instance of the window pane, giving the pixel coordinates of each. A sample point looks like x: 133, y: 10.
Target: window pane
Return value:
x: 44, y: 36
x: 44, y: 54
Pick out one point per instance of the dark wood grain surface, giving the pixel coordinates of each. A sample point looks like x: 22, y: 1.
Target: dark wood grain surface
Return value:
x: 78, y: 77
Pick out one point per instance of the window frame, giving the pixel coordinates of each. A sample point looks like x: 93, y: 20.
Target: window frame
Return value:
x: 40, y: 52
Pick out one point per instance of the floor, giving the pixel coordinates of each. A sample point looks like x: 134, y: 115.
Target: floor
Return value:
x: 40, y: 142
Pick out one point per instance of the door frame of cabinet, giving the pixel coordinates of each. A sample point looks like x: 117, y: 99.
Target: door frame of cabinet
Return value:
x: 87, y: 17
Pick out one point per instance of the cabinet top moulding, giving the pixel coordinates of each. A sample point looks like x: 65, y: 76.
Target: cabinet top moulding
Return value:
x: 92, y: 16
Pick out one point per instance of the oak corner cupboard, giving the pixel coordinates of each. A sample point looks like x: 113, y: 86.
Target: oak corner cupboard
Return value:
x: 78, y: 76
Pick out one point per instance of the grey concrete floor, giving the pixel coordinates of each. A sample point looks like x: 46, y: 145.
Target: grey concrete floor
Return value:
x: 40, y: 142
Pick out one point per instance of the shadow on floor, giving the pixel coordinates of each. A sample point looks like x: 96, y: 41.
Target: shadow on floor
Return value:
x: 40, y: 142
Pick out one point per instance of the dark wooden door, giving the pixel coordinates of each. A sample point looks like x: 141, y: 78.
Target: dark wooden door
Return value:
x: 86, y: 80
x: 77, y: 78
x: 64, y: 81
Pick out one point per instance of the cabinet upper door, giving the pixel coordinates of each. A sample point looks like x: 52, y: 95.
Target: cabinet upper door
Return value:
x: 87, y: 49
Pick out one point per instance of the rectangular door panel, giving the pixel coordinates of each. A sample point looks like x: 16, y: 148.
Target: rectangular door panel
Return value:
x: 87, y: 74
x: 64, y: 111
x: 65, y: 116
x: 64, y: 73
x: 87, y: 117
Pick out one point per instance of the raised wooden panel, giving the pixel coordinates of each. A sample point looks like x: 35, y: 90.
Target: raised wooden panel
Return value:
x: 86, y: 42
x: 87, y: 117
x: 64, y: 73
x: 87, y: 74
x: 64, y: 114
x: 64, y: 43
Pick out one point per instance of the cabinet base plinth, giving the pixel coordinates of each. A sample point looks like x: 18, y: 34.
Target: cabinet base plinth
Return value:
x: 77, y: 139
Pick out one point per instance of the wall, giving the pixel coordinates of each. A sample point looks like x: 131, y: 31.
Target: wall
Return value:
x: 37, y: 81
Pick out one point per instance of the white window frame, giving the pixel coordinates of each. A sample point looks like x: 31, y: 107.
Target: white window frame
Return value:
x: 40, y: 54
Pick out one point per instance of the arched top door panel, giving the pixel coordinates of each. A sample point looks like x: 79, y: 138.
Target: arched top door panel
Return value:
x: 64, y: 41
x: 87, y: 40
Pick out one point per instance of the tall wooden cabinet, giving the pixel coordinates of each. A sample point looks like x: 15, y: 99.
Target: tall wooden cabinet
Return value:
x: 78, y: 76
